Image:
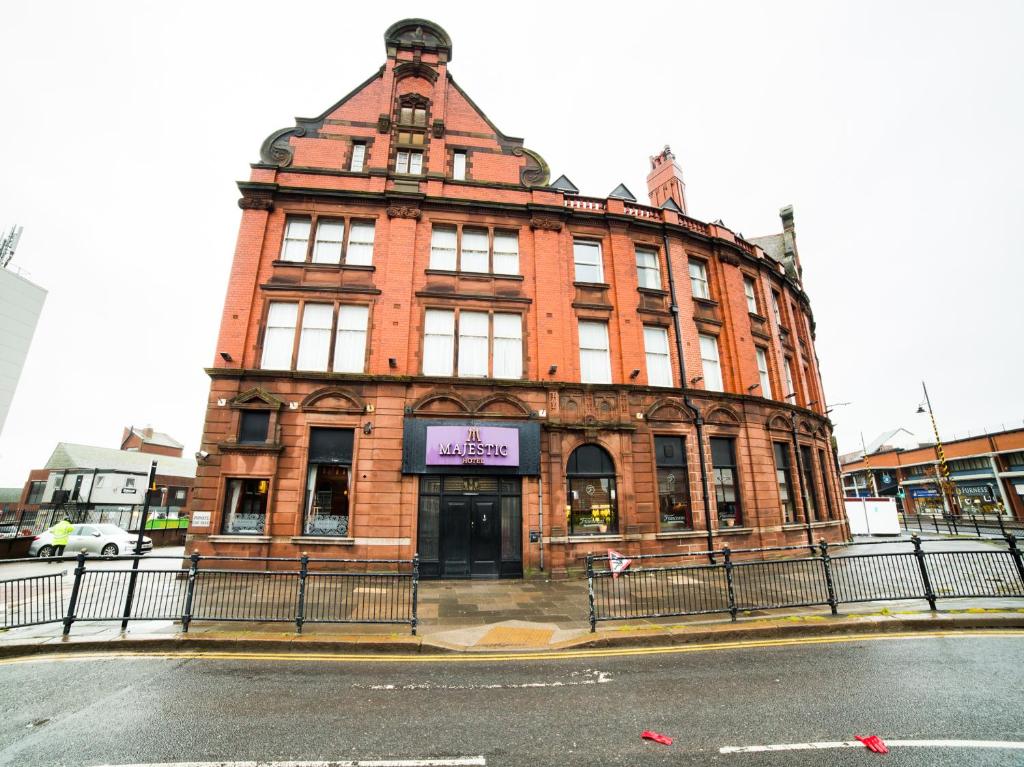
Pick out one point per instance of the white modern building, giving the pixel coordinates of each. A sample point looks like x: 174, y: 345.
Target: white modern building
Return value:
x: 21, y: 303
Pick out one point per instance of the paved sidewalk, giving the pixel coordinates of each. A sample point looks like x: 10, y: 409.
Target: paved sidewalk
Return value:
x: 534, y: 614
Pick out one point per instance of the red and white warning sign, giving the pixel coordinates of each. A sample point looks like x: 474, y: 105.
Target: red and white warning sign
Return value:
x: 617, y: 562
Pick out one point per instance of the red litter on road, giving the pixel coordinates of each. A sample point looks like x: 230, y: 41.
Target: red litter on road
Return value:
x: 657, y: 737
x: 873, y: 743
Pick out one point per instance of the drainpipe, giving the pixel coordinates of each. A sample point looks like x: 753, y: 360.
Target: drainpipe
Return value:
x: 800, y: 482
x: 540, y: 516
x: 698, y: 417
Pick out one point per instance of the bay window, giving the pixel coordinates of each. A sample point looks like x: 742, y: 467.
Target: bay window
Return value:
x: 349, y: 323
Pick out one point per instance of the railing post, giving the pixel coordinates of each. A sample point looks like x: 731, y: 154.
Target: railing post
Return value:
x: 69, y: 616
x: 920, y: 526
x: 300, y: 610
x: 190, y: 591
x: 826, y: 560
x: 928, y: 593
x: 590, y: 592
x: 1011, y: 541
x: 952, y: 520
x: 935, y: 521
x: 415, y: 590
x: 729, y: 586
x: 999, y: 517
x: 974, y: 519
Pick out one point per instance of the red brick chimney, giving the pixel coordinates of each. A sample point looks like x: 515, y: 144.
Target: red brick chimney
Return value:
x: 666, y: 180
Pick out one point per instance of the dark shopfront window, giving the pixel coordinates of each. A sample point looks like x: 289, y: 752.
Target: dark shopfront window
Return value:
x: 727, y: 489
x: 810, y: 487
x: 328, y: 482
x: 245, y: 506
x: 673, y: 483
x: 823, y: 467
x: 590, y: 476
x: 782, y: 471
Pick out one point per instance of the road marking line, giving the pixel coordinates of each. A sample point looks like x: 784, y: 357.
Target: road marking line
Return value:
x: 465, y: 761
x: 1012, y: 744
x: 299, y: 656
x: 600, y: 677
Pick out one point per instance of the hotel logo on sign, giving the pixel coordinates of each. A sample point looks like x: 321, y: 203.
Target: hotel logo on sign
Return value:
x: 472, y: 446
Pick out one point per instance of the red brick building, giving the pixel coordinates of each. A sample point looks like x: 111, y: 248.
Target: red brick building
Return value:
x: 427, y: 347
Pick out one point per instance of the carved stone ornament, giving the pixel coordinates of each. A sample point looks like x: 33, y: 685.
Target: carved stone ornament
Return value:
x: 438, y: 130
x: 256, y: 202
x: 548, y: 224
x: 535, y: 172
x: 383, y: 123
x: 728, y: 257
x: 402, y: 211
x: 276, y: 149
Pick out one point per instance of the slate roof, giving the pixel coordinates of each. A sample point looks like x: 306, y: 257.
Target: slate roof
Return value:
x: 157, y: 438
x: 621, y: 192
x: 70, y: 456
x: 563, y: 184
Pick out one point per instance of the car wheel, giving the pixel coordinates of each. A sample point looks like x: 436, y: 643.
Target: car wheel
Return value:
x: 45, y: 551
x: 110, y: 550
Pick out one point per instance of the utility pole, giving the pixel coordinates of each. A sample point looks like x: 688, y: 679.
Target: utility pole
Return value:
x: 945, y: 483
x: 150, y: 487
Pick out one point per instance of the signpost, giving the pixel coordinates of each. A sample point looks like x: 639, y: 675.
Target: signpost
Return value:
x: 150, y: 486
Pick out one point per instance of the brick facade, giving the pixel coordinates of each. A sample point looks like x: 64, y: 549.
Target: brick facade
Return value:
x: 306, y: 171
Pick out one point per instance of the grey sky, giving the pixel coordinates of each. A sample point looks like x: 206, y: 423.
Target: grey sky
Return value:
x: 893, y: 128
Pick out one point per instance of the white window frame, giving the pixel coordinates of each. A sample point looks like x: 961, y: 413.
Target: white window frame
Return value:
x: 648, y: 275
x: 315, y: 337
x: 790, y: 383
x: 448, y: 250
x: 699, y: 286
x: 750, y: 291
x: 357, y: 235
x: 350, y: 338
x: 762, y: 371
x: 409, y: 161
x: 659, y: 362
x: 587, y: 254
x: 474, y: 343
x: 506, y: 254
x: 775, y: 309
x: 507, y: 346
x: 459, y: 165
x: 279, y: 335
x: 711, y: 362
x: 327, y: 249
x: 441, y: 250
x: 295, y: 242
x: 438, y: 342
x: 358, y: 157
x: 475, y: 249
x: 595, y: 352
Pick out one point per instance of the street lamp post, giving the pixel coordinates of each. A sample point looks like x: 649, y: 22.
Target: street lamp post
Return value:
x: 942, y: 471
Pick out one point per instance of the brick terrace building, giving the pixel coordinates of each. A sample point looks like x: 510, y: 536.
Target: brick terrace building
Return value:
x: 427, y: 347
x: 987, y: 472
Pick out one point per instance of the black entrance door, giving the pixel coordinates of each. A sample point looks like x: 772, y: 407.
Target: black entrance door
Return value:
x: 470, y: 536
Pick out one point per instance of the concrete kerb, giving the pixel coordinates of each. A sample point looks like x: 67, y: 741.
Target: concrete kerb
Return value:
x: 636, y: 636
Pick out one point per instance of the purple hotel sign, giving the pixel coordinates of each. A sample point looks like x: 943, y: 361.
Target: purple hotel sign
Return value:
x: 472, y: 445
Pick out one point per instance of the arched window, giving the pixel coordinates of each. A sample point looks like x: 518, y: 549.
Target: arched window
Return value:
x: 590, y: 477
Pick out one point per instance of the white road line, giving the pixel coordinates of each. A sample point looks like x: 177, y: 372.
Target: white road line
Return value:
x: 597, y: 677
x: 1009, y: 744
x: 454, y: 762
x: 463, y: 761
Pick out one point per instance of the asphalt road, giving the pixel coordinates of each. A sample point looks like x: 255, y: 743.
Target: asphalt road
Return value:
x: 563, y: 711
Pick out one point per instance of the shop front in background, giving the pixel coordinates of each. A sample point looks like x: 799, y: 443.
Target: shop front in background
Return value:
x: 470, y: 515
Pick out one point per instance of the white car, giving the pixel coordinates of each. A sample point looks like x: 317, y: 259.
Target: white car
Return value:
x: 106, y: 540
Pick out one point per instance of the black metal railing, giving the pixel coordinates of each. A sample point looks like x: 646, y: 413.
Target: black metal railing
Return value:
x: 978, y: 525
x: 818, y: 579
x: 234, y: 589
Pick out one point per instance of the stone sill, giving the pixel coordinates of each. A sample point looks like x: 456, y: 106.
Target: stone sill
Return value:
x: 733, y: 530
x: 607, y: 537
x: 238, y: 538
x: 681, y: 534
x: 322, y: 540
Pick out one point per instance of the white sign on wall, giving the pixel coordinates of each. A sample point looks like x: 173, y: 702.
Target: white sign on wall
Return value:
x: 200, y: 519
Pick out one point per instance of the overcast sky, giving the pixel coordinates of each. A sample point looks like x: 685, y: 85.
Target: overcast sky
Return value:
x: 894, y: 129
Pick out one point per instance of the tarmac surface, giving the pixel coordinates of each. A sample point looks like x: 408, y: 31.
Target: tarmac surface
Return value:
x: 937, y: 699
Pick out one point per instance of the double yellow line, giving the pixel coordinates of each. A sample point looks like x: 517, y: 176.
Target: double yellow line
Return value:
x: 569, y: 654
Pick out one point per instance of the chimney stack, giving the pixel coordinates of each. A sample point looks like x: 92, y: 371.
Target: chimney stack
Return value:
x: 666, y: 180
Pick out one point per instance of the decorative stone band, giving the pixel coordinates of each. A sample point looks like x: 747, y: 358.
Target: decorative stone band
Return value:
x: 549, y: 224
x: 401, y: 211
x: 256, y: 202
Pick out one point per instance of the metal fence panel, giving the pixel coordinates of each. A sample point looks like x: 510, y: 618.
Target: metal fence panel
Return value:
x: 779, y: 583
x: 242, y: 595
x: 358, y: 598
x: 661, y: 592
x: 973, y: 574
x: 159, y: 595
x: 877, y: 577
x: 32, y: 601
